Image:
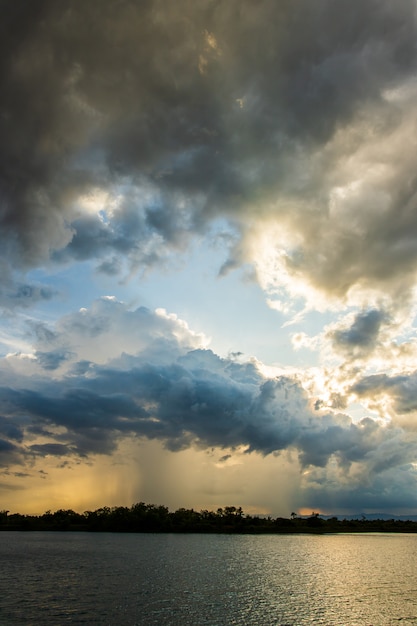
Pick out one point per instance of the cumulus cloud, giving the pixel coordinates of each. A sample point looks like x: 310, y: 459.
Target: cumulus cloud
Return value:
x: 204, y: 401
x: 131, y: 129
x: 393, y: 396
x: 362, y: 334
x: 127, y: 128
x: 362, y: 337
x: 154, y: 381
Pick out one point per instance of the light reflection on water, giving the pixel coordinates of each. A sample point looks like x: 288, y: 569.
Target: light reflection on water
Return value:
x: 147, y: 579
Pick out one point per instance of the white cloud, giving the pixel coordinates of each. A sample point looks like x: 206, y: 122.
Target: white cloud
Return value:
x: 285, y: 134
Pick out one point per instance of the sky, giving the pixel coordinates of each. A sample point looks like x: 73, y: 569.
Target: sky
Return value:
x: 208, y: 254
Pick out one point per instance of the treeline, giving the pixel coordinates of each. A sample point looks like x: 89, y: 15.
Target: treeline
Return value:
x: 142, y: 518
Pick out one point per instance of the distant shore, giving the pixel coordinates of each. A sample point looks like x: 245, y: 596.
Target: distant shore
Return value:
x: 150, y: 518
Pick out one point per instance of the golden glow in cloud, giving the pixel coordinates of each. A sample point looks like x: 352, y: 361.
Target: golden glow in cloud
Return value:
x: 145, y: 471
x: 53, y: 483
x: 284, y: 143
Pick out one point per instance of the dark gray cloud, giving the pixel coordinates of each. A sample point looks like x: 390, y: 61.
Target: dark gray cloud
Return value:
x: 139, y: 376
x: 400, y: 389
x: 15, y: 293
x: 52, y: 360
x: 10, y: 453
x: 92, y: 421
x: 6, y: 446
x: 204, y: 109
x: 51, y: 449
x: 362, y: 336
x: 11, y: 430
x: 391, y: 490
x: 198, y: 400
x: 127, y: 129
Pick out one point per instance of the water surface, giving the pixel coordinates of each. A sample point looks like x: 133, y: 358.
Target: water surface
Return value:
x: 51, y: 578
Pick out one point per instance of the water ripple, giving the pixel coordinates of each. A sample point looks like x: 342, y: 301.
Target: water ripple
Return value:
x: 207, y: 580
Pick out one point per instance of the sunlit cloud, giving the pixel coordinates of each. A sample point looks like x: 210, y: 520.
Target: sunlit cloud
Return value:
x: 208, y: 250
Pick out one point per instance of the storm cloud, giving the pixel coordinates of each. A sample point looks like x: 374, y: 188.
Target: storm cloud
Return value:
x: 280, y: 133
x: 199, y: 400
x: 127, y: 128
x: 163, y: 390
x: 362, y: 336
x: 397, y: 393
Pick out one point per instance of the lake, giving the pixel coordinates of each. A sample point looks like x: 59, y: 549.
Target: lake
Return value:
x: 51, y: 578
